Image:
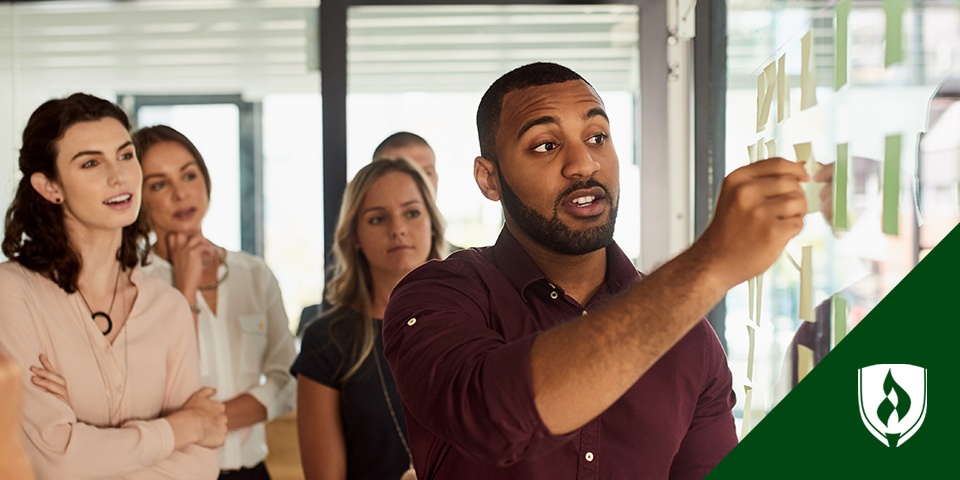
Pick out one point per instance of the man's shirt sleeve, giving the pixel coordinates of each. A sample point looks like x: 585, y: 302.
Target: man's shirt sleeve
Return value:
x: 458, y: 377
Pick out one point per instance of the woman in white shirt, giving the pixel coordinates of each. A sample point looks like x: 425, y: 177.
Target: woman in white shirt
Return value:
x: 246, y: 346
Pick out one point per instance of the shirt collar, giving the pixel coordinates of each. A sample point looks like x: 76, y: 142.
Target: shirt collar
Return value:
x: 516, y: 264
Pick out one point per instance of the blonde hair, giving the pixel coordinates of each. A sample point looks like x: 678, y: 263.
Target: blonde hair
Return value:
x: 350, y: 286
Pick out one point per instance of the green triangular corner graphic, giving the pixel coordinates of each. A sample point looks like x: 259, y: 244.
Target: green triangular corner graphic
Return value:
x: 816, y: 430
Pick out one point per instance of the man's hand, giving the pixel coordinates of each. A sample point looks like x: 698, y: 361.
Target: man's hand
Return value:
x: 760, y: 208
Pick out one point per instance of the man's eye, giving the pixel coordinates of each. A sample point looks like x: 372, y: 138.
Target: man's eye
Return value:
x: 156, y: 186
x: 89, y: 163
x: 545, y: 147
x: 127, y: 156
x: 189, y: 176
x: 598, y: 139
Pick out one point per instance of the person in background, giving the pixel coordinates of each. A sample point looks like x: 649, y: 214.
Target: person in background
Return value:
x: 348, y: 411
x: 548, y: 355
x: 245, y: 342
x: 14, y: 465
x: 406, y: 145
x: 412, y: 147
x: 78, y: 310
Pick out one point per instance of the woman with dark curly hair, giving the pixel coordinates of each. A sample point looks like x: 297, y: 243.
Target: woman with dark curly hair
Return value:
x: 78, y: 311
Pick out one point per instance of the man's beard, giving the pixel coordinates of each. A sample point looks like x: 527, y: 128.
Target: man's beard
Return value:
x: 553, y: 233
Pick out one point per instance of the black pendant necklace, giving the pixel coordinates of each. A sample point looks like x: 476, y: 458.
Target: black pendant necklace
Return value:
x: 105, y: 315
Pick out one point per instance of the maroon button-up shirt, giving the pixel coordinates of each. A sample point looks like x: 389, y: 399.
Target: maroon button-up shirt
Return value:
x: 457, y: 335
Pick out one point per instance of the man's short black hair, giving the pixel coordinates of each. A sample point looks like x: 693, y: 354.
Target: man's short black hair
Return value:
x: 399, y: 140
x: 530, y: 75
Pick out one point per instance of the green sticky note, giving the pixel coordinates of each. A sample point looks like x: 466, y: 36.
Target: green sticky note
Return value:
x: 840, y: 55
x: 891, y: 185
x: 894, y: 42
x: 839, y: 327
x: 840, y: 169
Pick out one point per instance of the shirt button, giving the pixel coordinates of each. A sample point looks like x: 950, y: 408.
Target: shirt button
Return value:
x: 554, y: 295
x: 589, y: 456
x: 411, y: 322
x: 584, y: 313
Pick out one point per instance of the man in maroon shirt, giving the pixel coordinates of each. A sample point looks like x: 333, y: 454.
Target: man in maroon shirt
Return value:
x: 547, y: 355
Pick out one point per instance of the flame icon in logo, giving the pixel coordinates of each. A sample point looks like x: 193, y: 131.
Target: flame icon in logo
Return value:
x: 890, y: 413
x: 887, y: 407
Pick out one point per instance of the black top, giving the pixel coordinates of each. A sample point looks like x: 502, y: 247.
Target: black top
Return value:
x: 374, y: 451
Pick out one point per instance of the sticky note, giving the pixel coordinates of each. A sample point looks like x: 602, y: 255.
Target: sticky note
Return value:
x: 893, y: 51
x: 808, y: 73
x: 804, y: 361
x: 759, y: 299
x: 771, y: 147
x: 838, y: 328
x: 806, y: 284
x: 747, y: 409
x: 840, y: 171
x: 751, y: 349
x: 766, y: 86
x: 804, y: 153
x: 891, y: 185
x: 783, y: 90
x: 752, y: 152
x: 840, y: 43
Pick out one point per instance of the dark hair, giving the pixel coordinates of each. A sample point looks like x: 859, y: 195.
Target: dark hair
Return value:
x: 34, y: 233
x: 398, y: 140
x: 530, y: 75
x: 147, y: 137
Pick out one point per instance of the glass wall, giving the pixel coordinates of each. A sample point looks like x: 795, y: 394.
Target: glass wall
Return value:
x: 845, y: 86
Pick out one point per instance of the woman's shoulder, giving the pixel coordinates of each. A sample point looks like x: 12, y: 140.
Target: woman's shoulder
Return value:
x: 14, y: 276
x: 337, y: 324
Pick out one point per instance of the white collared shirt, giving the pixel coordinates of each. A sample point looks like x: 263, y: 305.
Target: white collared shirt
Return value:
x: 246, y: 347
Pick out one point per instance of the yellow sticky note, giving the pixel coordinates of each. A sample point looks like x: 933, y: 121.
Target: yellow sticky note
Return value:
x: 766, y: 86
x: 783, y: 90
x: 804, y: 361
x: 808, y: 73
x: 806, y: 284
x: 838, y: 329
x: 752, y: 152
x: 840, y: 174
x: 771, y: 148
x: 804, y: 153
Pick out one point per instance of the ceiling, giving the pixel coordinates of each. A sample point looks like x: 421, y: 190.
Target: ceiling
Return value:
x: 259, y: 46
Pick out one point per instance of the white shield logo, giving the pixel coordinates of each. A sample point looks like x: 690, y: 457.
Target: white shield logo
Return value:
x: 893, y: 401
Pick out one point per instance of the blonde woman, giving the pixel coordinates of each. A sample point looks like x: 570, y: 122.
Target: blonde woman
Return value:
x: 348, y: 411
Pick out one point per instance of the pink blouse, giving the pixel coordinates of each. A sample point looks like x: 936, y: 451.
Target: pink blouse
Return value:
x: 117, y: 391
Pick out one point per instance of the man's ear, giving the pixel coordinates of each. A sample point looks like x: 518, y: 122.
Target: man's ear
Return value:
x: 485, y: 173
x: 48, y: 189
